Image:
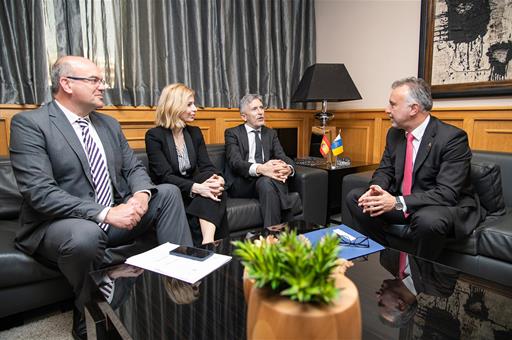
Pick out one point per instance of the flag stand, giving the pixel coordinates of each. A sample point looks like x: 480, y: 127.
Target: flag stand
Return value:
x: 334, y: 164
x: 329, y: 132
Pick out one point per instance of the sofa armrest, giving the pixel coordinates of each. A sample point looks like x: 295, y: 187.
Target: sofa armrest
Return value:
x: 10, y: 197
x: 311, y: 184
x: 352, y: 181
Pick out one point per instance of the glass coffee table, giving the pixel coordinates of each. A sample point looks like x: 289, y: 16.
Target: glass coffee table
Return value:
x: 432, y: 302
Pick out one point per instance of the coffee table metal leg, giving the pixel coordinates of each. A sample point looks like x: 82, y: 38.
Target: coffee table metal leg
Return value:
x: 95, y: 321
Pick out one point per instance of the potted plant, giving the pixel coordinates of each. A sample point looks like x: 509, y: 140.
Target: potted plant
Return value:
x: 297, y: 290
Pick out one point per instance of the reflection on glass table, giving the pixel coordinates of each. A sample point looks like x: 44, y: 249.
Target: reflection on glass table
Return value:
x: 341, y: 162
x: 430, y: 301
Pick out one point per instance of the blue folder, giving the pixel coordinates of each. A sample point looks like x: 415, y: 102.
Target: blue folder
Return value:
x: 347, y: 252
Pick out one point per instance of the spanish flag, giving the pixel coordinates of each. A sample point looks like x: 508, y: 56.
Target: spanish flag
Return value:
x: 324, y: 146
x: 337, y: 145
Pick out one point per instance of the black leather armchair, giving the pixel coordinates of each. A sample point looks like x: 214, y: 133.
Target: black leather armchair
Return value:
x: 24, y: 283
x: 27, y: 284
x: 487, y: 252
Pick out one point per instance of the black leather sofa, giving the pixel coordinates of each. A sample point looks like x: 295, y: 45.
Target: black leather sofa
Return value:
x: 487, y: 252
x: 244, y: 214
x: 26, y: 284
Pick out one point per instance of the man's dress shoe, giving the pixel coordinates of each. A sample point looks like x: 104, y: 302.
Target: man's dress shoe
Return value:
x: 79, y: 331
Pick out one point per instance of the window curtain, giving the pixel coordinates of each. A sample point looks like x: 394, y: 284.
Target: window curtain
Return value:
x: 23, y: 62
x: 223, y: 49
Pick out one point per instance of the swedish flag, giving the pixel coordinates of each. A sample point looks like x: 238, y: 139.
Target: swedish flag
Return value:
x: 337, y: 145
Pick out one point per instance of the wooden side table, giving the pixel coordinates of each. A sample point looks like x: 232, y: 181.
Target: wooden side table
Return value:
x: 335, y: 180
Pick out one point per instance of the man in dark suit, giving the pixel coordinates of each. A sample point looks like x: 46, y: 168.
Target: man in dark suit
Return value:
x: 256, y: 165
x: 435, y: 197
x: 83, y: 188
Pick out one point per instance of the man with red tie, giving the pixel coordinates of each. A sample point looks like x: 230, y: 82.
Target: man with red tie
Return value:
x: 423, y: 179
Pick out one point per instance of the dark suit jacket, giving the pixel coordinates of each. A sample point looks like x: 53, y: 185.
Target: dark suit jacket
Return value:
x: 237, y: 151
x: 163, y: 158
x: 441, y: 174
x: 53, y: 173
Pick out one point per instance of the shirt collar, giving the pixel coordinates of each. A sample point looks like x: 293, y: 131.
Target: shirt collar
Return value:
x: 250, y: 129
x: 420, y: 130
x: 71, y: 116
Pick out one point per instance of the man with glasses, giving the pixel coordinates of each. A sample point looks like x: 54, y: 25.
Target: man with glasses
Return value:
x: 256, y: 164
x: 83, y: 188
x: 423, y: 180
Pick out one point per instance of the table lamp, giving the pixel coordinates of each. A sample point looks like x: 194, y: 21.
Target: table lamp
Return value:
x: 325, y: 83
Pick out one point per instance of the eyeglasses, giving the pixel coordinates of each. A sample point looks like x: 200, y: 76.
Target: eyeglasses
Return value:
x: 91, y: 80
x: 361, y: 242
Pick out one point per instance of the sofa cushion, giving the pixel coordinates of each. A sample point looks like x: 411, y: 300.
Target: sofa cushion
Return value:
x: 496, y: 237
x: 486, y: 179
x: 468, y: 245
x: 504, y: 160
x: 18, y: 268
x: 217, y: 155
x: 243, y: 213
x: 10, y: 197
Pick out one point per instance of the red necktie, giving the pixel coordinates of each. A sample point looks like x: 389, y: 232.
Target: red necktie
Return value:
x: 402, y: 264
x: 408, y: 167
x: 406, y: 190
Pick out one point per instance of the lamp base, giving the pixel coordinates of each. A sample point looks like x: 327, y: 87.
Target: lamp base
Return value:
x: 324, y: 117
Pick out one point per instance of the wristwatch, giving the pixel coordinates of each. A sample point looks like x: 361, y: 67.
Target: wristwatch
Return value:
x: 398, y: 204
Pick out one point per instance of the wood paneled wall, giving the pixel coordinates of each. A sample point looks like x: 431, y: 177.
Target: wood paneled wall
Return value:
x: 363, y: 131
x: 135, y: 121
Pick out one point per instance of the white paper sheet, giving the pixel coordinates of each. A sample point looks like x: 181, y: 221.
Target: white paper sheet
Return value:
x: 160, y: 261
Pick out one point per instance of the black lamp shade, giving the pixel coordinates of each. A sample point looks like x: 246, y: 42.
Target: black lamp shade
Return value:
x: 330, y: 82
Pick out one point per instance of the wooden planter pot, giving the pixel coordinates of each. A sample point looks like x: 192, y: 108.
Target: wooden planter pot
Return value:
x: 271, y: 316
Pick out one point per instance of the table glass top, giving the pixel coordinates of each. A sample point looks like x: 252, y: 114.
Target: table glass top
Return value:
x: 432, y: 302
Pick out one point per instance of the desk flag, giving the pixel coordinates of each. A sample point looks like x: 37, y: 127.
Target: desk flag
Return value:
x: 324, y: 146
x: 337, y: 145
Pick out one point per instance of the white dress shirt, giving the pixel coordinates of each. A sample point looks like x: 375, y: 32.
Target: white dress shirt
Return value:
x: 252, y: 149
x: 407, y: 280
x: 73, y: 118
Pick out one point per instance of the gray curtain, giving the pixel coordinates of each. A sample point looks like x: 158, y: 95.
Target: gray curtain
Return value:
x: 23, y: 63
x: 68, y: 31
x: 223, y: 49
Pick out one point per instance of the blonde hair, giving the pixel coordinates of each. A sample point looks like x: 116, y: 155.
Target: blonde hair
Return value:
x: 180, y: 292
x: 173, y: 102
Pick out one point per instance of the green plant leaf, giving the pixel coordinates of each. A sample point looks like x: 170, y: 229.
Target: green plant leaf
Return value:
x: 292, y: 267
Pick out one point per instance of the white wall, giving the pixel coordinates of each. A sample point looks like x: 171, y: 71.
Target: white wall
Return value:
x: 378, y: 41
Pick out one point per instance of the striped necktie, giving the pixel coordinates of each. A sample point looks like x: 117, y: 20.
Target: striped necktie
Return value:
x: 99, y: 170
x: 107, y: 289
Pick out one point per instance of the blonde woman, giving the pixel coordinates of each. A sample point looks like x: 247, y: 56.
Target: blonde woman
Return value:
x: 177, y: 155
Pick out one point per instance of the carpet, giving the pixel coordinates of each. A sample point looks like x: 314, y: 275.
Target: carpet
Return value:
x: 56, y: 327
